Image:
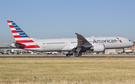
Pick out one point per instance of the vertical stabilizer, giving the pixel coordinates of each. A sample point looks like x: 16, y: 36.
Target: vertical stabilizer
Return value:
x: 21, y: 37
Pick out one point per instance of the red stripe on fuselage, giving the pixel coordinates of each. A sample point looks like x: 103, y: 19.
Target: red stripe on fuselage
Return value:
x: 31, y: 46
x: 25, y: 41
x: 17, y: 36
x: 28, y: 46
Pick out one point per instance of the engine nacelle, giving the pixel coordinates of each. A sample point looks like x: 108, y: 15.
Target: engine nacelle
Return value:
x: 98, y: 48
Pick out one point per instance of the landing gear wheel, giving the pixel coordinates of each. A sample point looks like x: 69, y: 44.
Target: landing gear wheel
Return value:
x: 69, y: 55
x: 77, y: 54
x: 74, y: 54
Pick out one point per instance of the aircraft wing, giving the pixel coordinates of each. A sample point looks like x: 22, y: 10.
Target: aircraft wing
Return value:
x: 82, y: 41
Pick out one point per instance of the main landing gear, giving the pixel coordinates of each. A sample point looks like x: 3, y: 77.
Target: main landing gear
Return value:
x: 74, y: 54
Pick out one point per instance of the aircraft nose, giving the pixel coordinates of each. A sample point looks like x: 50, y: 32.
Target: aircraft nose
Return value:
x: 132, y: 44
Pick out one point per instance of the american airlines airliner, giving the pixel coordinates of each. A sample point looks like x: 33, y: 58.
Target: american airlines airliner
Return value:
x: 74, y: 46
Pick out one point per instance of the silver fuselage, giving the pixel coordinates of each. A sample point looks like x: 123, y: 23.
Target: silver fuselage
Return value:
x: 67, y: 44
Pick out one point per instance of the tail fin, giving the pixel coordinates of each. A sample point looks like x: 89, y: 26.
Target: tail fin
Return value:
x: 20, y: 36
x: 17, y: 32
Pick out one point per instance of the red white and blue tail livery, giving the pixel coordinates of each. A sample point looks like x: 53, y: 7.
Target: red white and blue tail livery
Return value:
x: 74, y: 46
x: 23, y: 40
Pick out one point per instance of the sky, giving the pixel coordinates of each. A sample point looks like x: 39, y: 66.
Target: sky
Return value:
x: 47, y: 19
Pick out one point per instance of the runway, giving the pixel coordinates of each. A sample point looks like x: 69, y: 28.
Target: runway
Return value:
x: 95, y: 56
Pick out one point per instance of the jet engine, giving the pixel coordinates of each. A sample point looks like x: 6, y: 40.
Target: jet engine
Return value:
x: 98, y: 48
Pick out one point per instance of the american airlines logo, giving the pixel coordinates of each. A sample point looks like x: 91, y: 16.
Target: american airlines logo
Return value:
x: 119, y: 40
x: 107, y: 41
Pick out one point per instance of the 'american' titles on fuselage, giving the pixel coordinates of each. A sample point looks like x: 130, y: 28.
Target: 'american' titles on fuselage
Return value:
x: 106, y: 41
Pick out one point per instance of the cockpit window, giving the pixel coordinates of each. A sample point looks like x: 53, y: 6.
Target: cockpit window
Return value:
x: 129, y: 40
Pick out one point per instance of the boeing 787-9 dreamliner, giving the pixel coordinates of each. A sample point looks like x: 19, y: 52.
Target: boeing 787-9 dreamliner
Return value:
x: 74, y: 46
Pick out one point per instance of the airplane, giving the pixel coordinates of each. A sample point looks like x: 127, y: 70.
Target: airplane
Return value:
x: 74, y: 46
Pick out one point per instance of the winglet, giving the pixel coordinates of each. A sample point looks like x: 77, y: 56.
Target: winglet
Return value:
x: 82, y: 41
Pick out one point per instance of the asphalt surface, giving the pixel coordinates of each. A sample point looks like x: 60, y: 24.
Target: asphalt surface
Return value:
x: 127, y: 56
